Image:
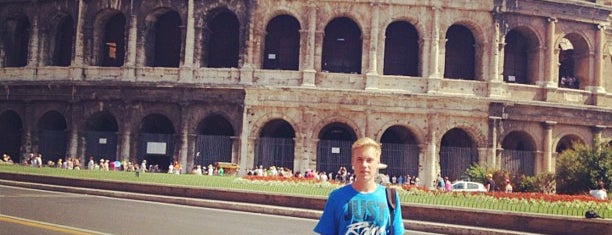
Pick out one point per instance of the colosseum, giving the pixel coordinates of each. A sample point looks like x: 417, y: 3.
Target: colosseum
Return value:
x: 441, y: 84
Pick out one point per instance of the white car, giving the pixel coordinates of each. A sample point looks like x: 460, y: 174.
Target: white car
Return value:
x: 466, y: 186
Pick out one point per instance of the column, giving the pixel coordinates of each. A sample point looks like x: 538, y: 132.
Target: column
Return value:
x: 372, y: 75
x: 597, y: 134
x: 125, y: 140
x: 186, y: 71
x: 246, y: 72
x: 79, y: 45
x: 34, y: 39
x: 434, y: 79
x: 308, y: 77
x: 26, y: 141
x: 184, y: 135
x: 129, y: 68
x: 492, y: 155
x: 550, y: 66
x: 547, y: 164
x: 598, y: 78
x: 73, y: 143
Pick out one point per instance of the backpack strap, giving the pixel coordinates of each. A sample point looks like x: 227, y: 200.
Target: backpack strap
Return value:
x: 391, y: 203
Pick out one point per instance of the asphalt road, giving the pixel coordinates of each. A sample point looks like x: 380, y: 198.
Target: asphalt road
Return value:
x: 27, y: 211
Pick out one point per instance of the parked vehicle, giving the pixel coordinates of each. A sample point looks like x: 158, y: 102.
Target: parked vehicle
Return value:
x: 466, y: 186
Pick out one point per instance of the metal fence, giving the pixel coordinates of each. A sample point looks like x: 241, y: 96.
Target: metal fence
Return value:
x: 518, y: 162
x: 333, y: 154
x: 277, y: 152
x: 455, y: 160
x: 213, y: 148
x: 401, y: 159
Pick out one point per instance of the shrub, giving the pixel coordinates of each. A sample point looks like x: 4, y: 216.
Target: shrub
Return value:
x: 581, y: 167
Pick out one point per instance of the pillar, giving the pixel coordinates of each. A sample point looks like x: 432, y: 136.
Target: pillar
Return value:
x: 186, y: 71
x: 372, y: 75
x: 433, y: 81
x: 184, y: 135
x: 308, y: 77
x: 547, y: 164
x: 493, y: 153
x: 551, y: 66
x: 130, y: 62
x: 600, y: 41
x: 79, y: 45
x: 34, y: 39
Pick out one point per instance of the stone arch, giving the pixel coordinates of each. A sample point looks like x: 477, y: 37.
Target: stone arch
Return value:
x: 460, y: 53
x: 52, y: 136
x: 275, y: 145
x: 156, y: 141
x: 566, y: 142
x: 521, y: 56
x: 402, y: 50
x: 400, y: 151
x: 342, y: 46
x: 109, y: 38
x: 16, y: 38
x: 573, y: 52
x: 334, y: 147
x: 519, y: 153
x: 282, y: 43
x: 458, y: 150
x: 60, y: 43
x: 214, y: 142
x: 100, y: 131
x: 221, y: 39
x: 163, y: 38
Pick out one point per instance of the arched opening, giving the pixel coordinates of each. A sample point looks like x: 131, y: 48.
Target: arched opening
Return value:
x: 16, y: 41
x: 63, y: 41
x: 52, y: 136
x: 573, y: 62
x: 567, y: 142
x: 401, y: 49
x: 156, y: 141
x: 111, y: 43
x: 101, y: 137
x: 164, y: 41
x: 11, y: 128
x: 275, y: 145
x: 457, y: 152
x: 516, y: 58
x: 223, y: 41
x: 460, y: 59
x: 518, y: 156
x: 334, y: 147
x: 342, y: 47
x: 213, y: 141
x: 282, y: 48
x: 400, y: 151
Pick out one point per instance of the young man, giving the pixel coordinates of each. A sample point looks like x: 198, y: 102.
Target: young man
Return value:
x: 361, y: 207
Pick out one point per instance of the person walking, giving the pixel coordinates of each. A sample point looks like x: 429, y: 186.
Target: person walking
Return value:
x: 361, y: 207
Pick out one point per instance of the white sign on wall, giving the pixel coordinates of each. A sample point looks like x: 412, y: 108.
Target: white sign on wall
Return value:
x: 156, y: 148
x: 335, y: 150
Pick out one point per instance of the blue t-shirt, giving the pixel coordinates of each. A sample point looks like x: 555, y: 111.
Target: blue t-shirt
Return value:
x: 350, y: 212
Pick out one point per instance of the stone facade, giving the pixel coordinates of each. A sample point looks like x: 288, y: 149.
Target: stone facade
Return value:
x: 293, y: 82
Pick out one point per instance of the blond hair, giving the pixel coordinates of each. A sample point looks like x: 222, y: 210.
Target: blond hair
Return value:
x: 366, y: 142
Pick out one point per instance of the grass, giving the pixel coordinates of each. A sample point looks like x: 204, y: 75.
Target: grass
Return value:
x: 309, y: 189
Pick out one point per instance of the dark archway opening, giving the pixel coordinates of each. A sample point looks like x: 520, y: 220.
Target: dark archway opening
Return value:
x: 342, y: 47
x: 214, y: 141
x: 401, y: 50
x: 282, y: 44
x: 460, y: 53
x: 457, y: 153
x: 156, y: 142
x: 275, y: 145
